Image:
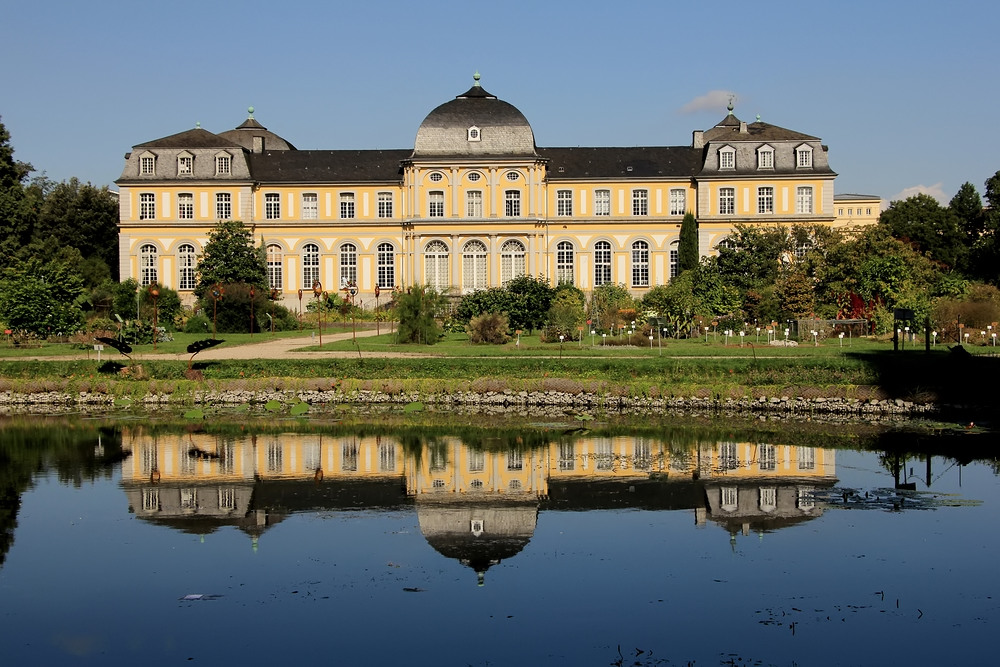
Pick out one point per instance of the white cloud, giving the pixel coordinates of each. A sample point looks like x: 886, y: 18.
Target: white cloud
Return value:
x: 936, y: 191
x: 714, y: 100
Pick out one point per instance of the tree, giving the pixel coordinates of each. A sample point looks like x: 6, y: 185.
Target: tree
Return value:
x: 418, y: 309
x: 751, y: 259
x: 968, y: 208
x: 687, y: 248
x: 606, y: 302
x: 16, y: 212
x: 531, y: 298
x: 929, y: 227
x: 795, y: 293
x: 566, y: 313
x: 230, y: 257
x: 986, y: 250
x: 41, y: 298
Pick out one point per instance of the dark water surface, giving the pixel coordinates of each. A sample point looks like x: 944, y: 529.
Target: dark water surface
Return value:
x: 550, y: 544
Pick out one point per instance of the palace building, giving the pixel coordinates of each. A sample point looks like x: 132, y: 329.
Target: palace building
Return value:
x: 473, y: 204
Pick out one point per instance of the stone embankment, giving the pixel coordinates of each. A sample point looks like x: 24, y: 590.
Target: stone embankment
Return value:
x: 492, y: 401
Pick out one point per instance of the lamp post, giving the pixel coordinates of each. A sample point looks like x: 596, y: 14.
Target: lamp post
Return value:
x: 317, y: 288
x: 154, y: 292
x: 841, y: 337
x: 758, y: 335
x: 300, y: 310
x: 352, y: 291
x: 651, y: 341
x: 934, y: 337
x: 561, y: 338
x: 377, y: 327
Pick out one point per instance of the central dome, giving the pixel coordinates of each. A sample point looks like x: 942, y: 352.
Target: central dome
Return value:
x: 475, y: 124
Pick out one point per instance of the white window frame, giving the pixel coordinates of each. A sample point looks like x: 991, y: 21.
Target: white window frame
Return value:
x: 223, y: 164
x: 147, y: 164
x: 347, y: 208
x: 765, y: 200
x: 272, y: 206
x: 435, y: 204
x: 565, y: 265
x: 474, y: 203
x: 436, y: 258
x: 727, y: 158
x: 147, y: 206
x: 474, y: 134
x: 384, y: 204
x: 512, y: 202
x: 187, y: 260
x: 385, y: 257
x: 678, y: 201
x: 675, y: 259
x: 602, y: 202
x: 803, y: 199
x: 223, y: 205
x: 727, y: 201
x: 148, y: 264
x: 640, y: 202
x: 185, y: 164
x: 310, y: 265
x: 513, y: 261
x: 310, y: 206
x: 603, y: 256
x: 475, y: 275
x: 640, y: 263
x: 564, y: 203
x: 804, y: 157
x: 275, y: 266
x: 348, y: 264
x: 185, y: 206
x: 765, y: 157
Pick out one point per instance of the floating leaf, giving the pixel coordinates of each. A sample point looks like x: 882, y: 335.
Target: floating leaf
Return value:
x: 416, y: 406
x: 123, y: 401
x: 203, y: 344
x: 197, y: 413
x: 299, y: 409
x: 273, y: 406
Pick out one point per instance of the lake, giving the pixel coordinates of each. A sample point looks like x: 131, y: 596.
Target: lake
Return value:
x: 510, y: 540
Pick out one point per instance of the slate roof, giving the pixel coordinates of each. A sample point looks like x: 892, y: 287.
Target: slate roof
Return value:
x: 728, y: 129
x: 195, y: 138
x: 317, y: 166
x: 250, y: 128
x: 633, y: 163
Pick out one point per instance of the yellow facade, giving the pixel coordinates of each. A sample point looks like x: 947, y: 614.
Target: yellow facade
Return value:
x: 856, y: 210
x: 472, y: 205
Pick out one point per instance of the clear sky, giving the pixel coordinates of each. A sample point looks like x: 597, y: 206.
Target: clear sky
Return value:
x: 901, y: 92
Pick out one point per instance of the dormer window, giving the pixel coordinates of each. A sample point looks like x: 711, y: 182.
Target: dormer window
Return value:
x: 475, y: 134
x: 804, y: 156
x: 223, y: 164
x: 147, y: 164
x: 765, y: 157
x: 727, y: 157
x: 185, y: 164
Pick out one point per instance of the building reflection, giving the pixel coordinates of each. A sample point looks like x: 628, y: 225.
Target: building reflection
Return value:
x: 475, y: 504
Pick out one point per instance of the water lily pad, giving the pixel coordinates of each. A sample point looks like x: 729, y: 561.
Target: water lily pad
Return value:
x: 416, y: 406
x: 299, y: 409
x: 196, y: 413
x: 123, y: 401
x: 273, y: 406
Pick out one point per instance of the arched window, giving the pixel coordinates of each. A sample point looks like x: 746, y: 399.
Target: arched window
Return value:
x: 564, y: 263
x: 512, y: 261
x: 186, y: 260
x: 348, y: 264
x: 602, y: 263
x: 147, y: 265
x: 274, y: 264
x: 310, y: 265
x: 436, y: 265
x: 474, y: 266
x: 675, y: 262
x: 386, y: 261
x: 640, y: 264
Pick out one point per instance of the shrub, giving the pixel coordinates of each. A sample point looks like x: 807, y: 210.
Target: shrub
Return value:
x: 490, y: 328
x: 418, y: 309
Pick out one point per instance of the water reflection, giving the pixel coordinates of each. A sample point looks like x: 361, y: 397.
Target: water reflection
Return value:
x: 476, y: 504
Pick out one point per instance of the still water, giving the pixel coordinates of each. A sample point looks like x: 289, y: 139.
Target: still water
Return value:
x: 551, y: 544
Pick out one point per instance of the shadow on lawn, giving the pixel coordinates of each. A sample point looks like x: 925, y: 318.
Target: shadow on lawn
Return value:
x: 947, y: 376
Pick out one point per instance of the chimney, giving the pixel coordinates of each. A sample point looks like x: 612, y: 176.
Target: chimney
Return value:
x: 743, y: 127
x: 258, y: 144
x: 698, y: 139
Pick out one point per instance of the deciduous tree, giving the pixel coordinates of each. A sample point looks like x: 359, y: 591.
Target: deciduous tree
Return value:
x: 229, y: 258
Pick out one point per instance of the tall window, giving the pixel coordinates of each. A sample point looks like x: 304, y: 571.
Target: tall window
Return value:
x: 564, y: 202
x: 310, y: 206
x: 803, y: 157
x: 678, y: 201
x: 147, y: 165
x: 767, y: 457
x: 602, y: 202
x: 602, y: 263
x: 385, y: 204
x: 727, y: 158
x: 186, y: 260
x: 223, y: 165
x: 474, y: 203
x: 435, y: 204
x: 224, y: 206
x: 765, y: 200
x: 147, y: 206
x: 512, y: 261
x: 185, y: 165
x: 348, y: 264
x: 765, y: 157
x: 803, y: 199
x: 147, y: 265
x: 640, y: 264
x: 675, y: 264
x: 346, y: 205
x: 310, y: 265
x: 727, y: 201
x: 474, y: 266
x: 185, y: 206
x: 436, y: 265
x: 272, y: 206
x: 386, y: 265
x: 640, y: 202
x: 564, y: 263
x: 512, y: 203
x: 274, y: 265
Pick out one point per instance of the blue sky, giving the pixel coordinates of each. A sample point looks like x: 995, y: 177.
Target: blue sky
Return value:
x: 901, y: 92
